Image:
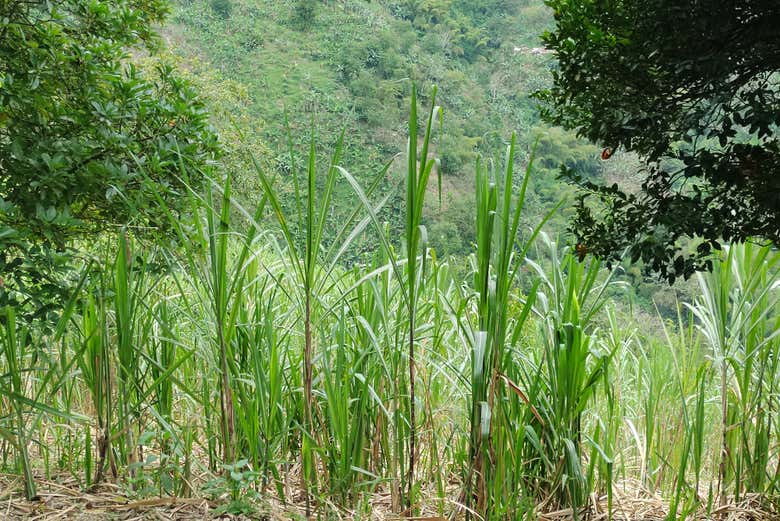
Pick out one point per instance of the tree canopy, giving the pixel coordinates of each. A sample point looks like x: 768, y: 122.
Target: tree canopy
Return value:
x: 694, y: 89
x: 85, y: 135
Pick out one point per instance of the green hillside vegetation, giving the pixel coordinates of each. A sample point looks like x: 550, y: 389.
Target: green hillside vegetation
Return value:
x: 329, y: 66
x: 272, y: 75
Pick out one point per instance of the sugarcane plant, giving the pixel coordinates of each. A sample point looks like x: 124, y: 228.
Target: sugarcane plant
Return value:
x: 565, y: 380
x: 738, y: 317
x: 420, y: 166
x: 314, y: 266
x: 500, y: 253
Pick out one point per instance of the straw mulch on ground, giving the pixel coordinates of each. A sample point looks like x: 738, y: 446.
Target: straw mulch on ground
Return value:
x: 64, y: 500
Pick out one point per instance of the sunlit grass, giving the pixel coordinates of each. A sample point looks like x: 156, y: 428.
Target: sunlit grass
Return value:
x: 261, y: 360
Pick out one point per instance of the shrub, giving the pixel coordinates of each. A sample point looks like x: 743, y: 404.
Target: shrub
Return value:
x: 223, y: 8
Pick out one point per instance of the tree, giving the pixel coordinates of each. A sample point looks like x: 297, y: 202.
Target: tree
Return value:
x: 86, y: 137
x: 305, y: 12
x: 693, y: 88
x: 223, y: 8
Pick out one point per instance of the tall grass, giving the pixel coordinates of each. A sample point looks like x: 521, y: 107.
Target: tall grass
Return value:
x: 95, y: 367
x: 314, y: 266
x: 14, y: 343
x: 416, y: 239
x: 567, y: 375
x: 419, y: 169
x: 489, y: 482
x: 739, y: 312
x: 260, y: 354
x: 29, y: 386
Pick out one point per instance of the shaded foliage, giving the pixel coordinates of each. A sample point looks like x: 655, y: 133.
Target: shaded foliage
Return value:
x: 85, y: 136
x: 692, y: 87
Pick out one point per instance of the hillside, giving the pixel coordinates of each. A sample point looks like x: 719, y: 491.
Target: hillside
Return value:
x: 349, y: 65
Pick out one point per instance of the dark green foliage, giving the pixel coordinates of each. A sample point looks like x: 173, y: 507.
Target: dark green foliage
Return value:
x: 305, y: 12
x: 456, y: 154
x: 35, y: 279
x: 692, y: 87
x: 556, y: 145
x: 223, y: 8
x: 77, y: 120
x: 471, y: 27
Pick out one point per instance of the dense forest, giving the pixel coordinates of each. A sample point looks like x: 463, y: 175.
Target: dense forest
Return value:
x: 378, y: 259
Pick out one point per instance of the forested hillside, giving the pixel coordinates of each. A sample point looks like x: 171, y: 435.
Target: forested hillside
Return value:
x: 277, y: 74
x: 349, y: 65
